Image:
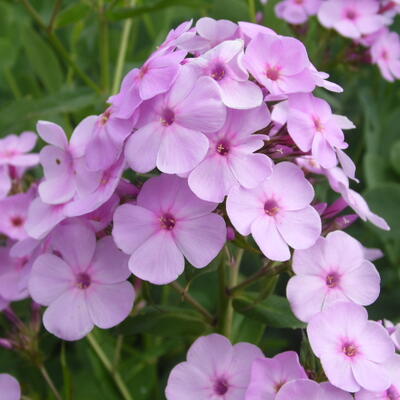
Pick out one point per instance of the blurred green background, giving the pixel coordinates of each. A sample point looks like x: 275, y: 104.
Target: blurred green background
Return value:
x: 60, y: 60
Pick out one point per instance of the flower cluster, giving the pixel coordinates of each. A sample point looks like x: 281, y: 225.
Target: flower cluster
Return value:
x: 220, y: 129
x: 364, y: 21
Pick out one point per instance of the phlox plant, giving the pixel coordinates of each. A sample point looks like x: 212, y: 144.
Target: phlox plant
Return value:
x: 213, y: 151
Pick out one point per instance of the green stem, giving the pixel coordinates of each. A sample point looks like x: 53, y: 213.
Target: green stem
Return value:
x: 49, y: 381
x: 12, y: 83
x: 193, y: 302
x: 109, y: 367
x: 104, y: 48
x: 58, y: 46
x: 268, y: 270
x: 123, y: 46
x: 252, y: 10
x: 56, y: 10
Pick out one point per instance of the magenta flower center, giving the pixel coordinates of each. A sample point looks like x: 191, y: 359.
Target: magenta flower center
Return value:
x: 271, y: 207
x: 317, y: 124
x: 351, y: 15
x: 218, y: 72
x: 332, y: 280
x: 350, y: 349
x: 273, y: 73
x: 105, y: 117
x: 299, y: 1
x: 278, y: 386
x: 17, y: 221
x: 83, y: 280
x: 222, y: 148
x: 392, y: 394
x: 167, y: 117
x: 221, y: 386
x: 167, y: 222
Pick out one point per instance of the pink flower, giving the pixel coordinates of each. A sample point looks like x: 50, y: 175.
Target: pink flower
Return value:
x: 312, y: 126
x: 214, y: 370
x: 268, y: 375
x: 248, y: 31
x: 334, y: 269
x: 277, y: 212
x: 385, y: 52
x: 13, y: 150
x: 155, y: 77
x: 14, y: 212
x: 394, y: 332
x: 223, y: 63
x: 9, y: 387
x: 168, y: 223
x: 63, y: 163
x: 279, y: 63
x: 353, y: 351
x: 304, y: 389
x: 230, y: 160
x: 5, y: 181
x: 393, y: 393
x: 352, y: 18
x: 172, y: 135
x: 86, y: 287
x: 297, y: 11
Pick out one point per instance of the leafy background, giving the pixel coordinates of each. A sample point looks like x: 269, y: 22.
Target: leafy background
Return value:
x: 63, y: 68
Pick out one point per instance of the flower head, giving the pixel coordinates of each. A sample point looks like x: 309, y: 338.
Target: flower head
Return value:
x: 9, y: 387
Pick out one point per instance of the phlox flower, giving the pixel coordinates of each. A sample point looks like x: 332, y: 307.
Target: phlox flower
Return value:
x: 5, y: 181
x: 182, y: 33
x: 385, y: 52
x: 280, y: 64
x: 85, y: 286
x: 334, y: 269
x: 155, y: 77
x: 248, y: 31
x: 394, y: 332
x: 223, y: 63
x: 304, y: 389
x: 168, y: 223
x: 312, y: 126
x: 277, y: 212
x: 171, y: 136
x: 268, y: 375
x: 353, y: 351
x: 352, y: 18
x: 393, y: 392
x: 213, y: 370
x: 230, y: 159
x: 9, y: 387
x: 297, y: 11
x: 64, y: 166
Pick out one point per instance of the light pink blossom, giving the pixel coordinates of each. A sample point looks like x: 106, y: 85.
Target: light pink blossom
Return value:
x: 13, y: 149
x: 168, y: 223
x: 353, y: 351
x: 297, y: 11
x: 9, y: 387
x: 277, y: 212
x: 213, y: 370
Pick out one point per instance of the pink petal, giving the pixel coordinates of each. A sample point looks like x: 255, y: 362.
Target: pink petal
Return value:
x: 214, y: 30
x: 82, y: 135
x: 158, y: 260
x: 68, y: 317
x: 299, y: 389
x: 109, y: 305
x: 27, y: 141
x: 50, y: 278
x: 201, y: 239
x: 371, y: 376
x: 57, y: 190
x: 133, y: 225
x: 25, y: 160
x: 240, y: 95
x: 269, y: 240
x: 52, y: 134
x: 347, y: 28
x: 330, y: 392
x: 9, y: 387
x: 310, y: 261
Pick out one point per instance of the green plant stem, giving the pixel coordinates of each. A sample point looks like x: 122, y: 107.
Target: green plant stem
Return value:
x: 109, y: 367
x: 193, y: 302
x: 59, y: 47
x: 123, y: 46
x: 56, y: 10
x: 49, y: 381
x: 104, y: 48
x: 252, y: 10
x: 268, y: 270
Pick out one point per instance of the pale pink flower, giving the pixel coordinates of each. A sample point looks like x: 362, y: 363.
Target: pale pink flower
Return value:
x: 268, y: 375
x: 352, y: 18
x: 13, y: 149
x: 353, y: 351
x: 9, y: 387
x: 213, y: 370
x: 297, y: 11
x: 168, y: 223
x: 277, y: 213
x: 334, y: 269
x: 84, y: 288
x: 171, y: 137
x: 231, y: 160
x: 280, y: 64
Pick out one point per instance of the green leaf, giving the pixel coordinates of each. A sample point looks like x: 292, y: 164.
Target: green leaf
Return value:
x: 376, y: 170
x: 395, y: 156
x: 164, y: 321
x: 73, y: 14
x: 274, y: 311
x: 159, y: 5
x: 8, y: 53
x: 249, y: 330
x: 41, y: 59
